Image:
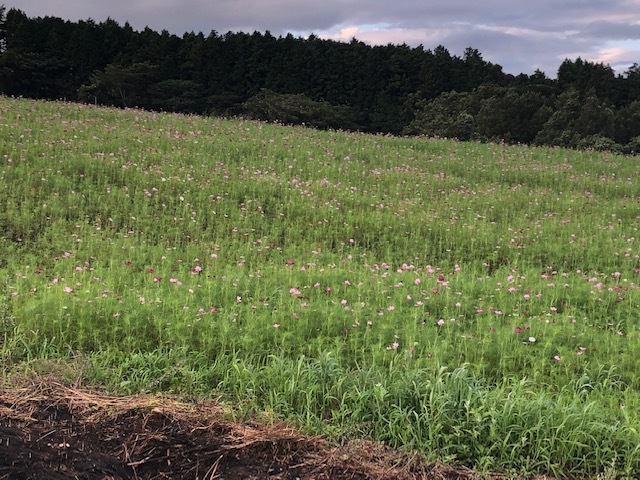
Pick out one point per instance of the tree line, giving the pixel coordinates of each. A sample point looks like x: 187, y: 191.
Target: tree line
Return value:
x: 321, y: 83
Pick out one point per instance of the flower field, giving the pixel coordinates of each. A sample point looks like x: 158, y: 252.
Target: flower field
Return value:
x: 477, y: 303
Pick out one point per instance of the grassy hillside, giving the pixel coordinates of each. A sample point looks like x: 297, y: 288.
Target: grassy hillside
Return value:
x: 479, y: 303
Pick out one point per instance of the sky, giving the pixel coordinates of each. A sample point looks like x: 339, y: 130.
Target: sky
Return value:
x: 519, y: 35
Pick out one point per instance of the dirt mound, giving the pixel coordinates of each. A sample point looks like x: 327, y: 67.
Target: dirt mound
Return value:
x: 50, y: 431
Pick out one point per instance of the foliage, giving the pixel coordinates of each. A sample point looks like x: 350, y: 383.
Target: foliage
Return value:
x: 297, y: 109
x: 392, y: 89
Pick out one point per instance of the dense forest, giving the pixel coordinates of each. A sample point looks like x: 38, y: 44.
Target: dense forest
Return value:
x: 321, y: 83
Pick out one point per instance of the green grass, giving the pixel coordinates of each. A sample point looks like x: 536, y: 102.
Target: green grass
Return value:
x: 478, y: 303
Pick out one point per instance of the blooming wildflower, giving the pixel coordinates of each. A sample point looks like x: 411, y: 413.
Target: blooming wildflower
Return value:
x: 78, y: 269
x: 391, y: 308
x: 556, y: 358
x: 294, y: 291
x: 173, y: 280
x: 517, y: 330
x: 532, y: 339
x: 417, y: 281
x: 68, y: 289
x: 441, y: 322
x: 157, y: 279
x: 276, y: 325
x: 196, y: 269
x: 395, y: 345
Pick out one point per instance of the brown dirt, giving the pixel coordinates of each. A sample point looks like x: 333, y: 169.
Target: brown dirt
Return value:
x: 51, y: 431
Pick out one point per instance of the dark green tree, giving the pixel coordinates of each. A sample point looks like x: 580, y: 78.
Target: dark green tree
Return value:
x: 121, y: 85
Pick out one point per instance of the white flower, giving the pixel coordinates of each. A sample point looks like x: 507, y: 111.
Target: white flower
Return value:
x: 532, y: 339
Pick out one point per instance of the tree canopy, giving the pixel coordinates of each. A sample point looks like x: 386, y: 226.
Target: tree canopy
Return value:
x: 392, y: 89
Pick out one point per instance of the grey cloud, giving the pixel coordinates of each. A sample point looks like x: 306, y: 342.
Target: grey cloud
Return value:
x: 613, y: 30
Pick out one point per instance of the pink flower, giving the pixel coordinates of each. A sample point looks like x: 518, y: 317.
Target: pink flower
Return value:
x: 395, y: 345
x: 157, y: 279
x: 173, y: 280
x: 557, y: 358
x: 68, y: 289
x: 441, y: 322
x: 517, y: 330
x: 416, y: 281
x: 276, y: 325
x: 294, y: 291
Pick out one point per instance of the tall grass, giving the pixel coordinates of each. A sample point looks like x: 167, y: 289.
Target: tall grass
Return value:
x: 476, y: 302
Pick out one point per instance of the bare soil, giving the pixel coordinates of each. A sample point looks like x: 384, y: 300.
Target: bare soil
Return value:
x: 51, y: 431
